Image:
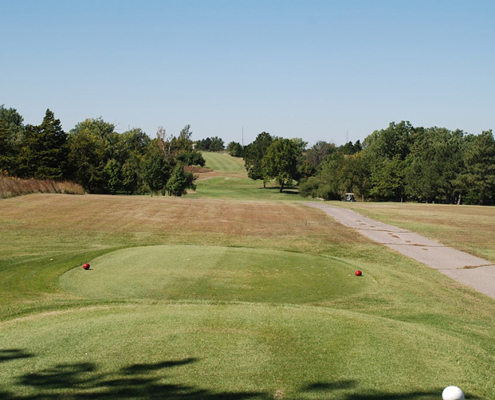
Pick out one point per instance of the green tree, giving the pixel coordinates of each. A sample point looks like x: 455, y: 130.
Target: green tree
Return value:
x: 91, y: 146
x: 316, y: 154
x: 130, y: 177
x: 480, y: 169
x: 328, y: 183
x: 235, y: 149
x: 113, y: 175
x: 13, y: 123
x: 389, y: 180
x: 156, y: 173
x: 281, y: 161
x: 216, y: 144
x: 385, y: 150
x: 8, y: 150
x: 434, y: 164
x: 254, y: 154
x: 44, y: 150
x: 180, y: 181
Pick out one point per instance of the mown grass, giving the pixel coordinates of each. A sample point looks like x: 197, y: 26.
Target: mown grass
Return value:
x: 223, y: 162
x: 210, y: 298
x: 241, y: 188
x: 229, y: 180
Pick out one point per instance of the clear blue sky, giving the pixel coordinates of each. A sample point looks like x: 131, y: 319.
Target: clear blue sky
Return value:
x: 310, y: 69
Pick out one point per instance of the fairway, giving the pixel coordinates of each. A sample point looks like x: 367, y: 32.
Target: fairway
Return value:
x: 248, y: 297
x: 223, y: 162
x: 215, y: 273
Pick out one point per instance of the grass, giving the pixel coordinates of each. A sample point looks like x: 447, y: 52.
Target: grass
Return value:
x: 468, y: 228
x: 11, y: 187
x: 215, y: 274
x: 222, y: 162
x: 229, y: 180
x: 237, y: 298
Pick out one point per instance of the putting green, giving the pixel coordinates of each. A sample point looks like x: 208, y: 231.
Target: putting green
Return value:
x: 215, y: 273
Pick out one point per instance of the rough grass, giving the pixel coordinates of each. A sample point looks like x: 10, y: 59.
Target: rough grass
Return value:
x: 468, y: 228
x: 410, y: 332
x: 11, y: 187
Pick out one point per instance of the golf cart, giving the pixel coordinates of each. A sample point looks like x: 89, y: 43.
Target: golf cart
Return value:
x: 349, y: 197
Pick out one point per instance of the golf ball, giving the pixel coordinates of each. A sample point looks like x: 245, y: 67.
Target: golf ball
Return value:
x: 452, y: 393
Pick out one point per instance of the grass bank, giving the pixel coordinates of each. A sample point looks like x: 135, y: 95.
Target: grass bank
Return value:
x: 211, y: 298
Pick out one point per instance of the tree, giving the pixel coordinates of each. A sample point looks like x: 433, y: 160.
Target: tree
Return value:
x: 281, y: 161
x: 13, y: 122
x: 316, y: 154
x: 130, y: 178
x: 113, y: 175
x: 235, y: 149
x: 216, y: 144
x: 8, y: 150
x: 91, y: 145
x: 156, y: 172
x: 328, y: 183
x: 434, y: 164
x: 385, y: 152
x: 480, y: 169
x: 388, y: 180
x: 192, y: 157
x: 180, y: 181
x: 254, y: 154
x: 44, y: 150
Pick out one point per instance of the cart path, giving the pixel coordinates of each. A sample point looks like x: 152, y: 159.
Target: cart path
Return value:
x: 463, y: 267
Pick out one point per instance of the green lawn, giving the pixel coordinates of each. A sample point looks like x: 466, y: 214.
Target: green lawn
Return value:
x: 224, y: 298
x: 223, y: 162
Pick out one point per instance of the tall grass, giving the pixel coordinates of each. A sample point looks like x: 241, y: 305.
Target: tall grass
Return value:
x: 11, y: 187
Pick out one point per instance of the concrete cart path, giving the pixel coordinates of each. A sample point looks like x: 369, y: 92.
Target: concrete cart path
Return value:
x: 463, y: 267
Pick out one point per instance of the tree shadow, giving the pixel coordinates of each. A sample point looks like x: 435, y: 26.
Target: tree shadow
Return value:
x: 78, y: 381
x: 287, y: 189
x: 345, y: 385
x: 143, y: 381
x: 13, y: 354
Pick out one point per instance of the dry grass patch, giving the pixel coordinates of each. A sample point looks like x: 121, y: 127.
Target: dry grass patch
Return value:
x: 12, y: 187
x: 123, y: 220
x: 467, y: 228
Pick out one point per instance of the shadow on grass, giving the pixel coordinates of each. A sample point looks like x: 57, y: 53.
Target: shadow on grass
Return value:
x: 146, y: 381
x: 287, y: 189
x: 13, y: 354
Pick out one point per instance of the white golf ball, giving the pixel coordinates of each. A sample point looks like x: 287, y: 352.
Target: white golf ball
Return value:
x: 452, y: 393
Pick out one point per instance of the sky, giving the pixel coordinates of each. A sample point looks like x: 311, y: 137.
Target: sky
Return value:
x: 332, y: 70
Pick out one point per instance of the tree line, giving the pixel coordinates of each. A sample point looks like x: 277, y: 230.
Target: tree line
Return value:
x: 403, y: 162
x: 95, y: 156
x: 399, y: 163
